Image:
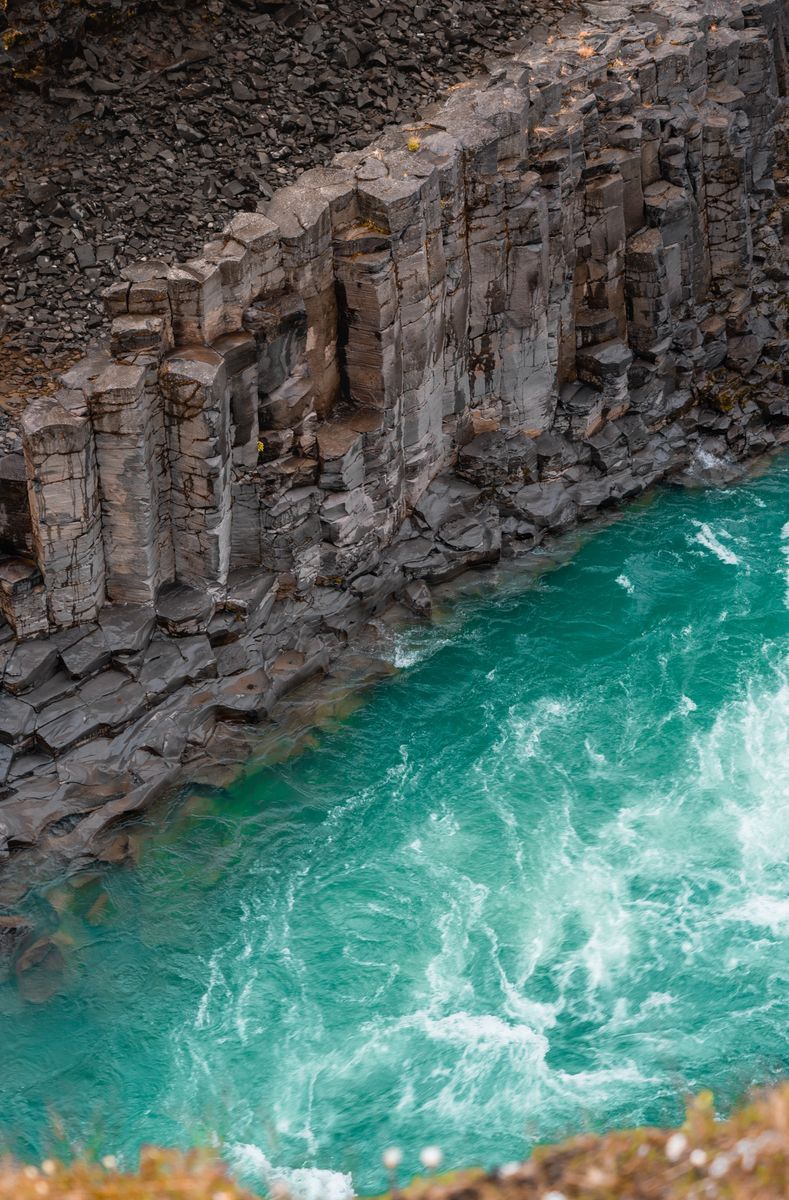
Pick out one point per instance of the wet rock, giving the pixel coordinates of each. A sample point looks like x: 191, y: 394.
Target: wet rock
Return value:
x: 416, y: 596
x: 14, y: 931
x: 40, y: 970
x: 709, y: 467
x: 546, y: 505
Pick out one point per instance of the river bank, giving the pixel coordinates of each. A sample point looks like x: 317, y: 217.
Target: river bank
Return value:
x: 531, y: 306
x: 537, y: 879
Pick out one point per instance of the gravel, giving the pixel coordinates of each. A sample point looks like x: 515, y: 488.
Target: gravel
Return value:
x: 146, y: 138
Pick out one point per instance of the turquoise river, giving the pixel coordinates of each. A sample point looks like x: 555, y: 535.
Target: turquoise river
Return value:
x: 537, y: 882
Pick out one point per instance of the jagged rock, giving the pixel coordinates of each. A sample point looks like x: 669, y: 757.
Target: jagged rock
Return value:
x: 546, y: 505
x: 39, y: 970
x: 86, y: 656
x: 184, y: 610
x: 561, y: 287
x: 497, y: 458
x: 17, y: 720
x: 30, y: 664
x: 416, y: 596
x: 13, y: 932
x: 127, y: 628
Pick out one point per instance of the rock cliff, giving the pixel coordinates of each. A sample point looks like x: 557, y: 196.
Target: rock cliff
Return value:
x: 564, y: 284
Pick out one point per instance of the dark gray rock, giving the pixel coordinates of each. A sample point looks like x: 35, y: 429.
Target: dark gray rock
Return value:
x: 69, y: 728
x: 14, y: 931
x: 17, y: 720
x: 127, y: 628
x: 164, y: 669
x: 589, y: 495
x: 30, y: 664
x: 493, y: 459
x: 183, y: 610
x: 87, y: 656
x: 6, y: 759
x: 416, y: 596
x: 546, y: 505
x: 199, y: 658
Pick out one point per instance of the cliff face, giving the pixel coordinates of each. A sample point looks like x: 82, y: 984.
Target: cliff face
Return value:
x: 563, y: 285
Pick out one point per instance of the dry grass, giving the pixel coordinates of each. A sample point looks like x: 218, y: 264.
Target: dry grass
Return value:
x: 163, y: 1175
x: 743, y: 1158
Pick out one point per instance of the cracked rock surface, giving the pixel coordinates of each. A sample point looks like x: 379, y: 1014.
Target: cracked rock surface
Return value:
x: 139, y: 139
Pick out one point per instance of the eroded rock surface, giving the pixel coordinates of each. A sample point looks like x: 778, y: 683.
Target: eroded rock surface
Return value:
x: 564, y: 284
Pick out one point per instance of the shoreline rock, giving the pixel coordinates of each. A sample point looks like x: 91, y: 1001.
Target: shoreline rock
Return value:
x: 559, y: 288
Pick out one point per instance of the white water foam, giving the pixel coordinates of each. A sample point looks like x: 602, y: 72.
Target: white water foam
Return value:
x: 769, y: 912
x: 411, y: 649
x: 705, y: 537
x: 785, y: 553
x: 745, y: 757
x: 708, y: 460
x: 523, y: 731
x: 625, y: 583
x: 303, y: 1183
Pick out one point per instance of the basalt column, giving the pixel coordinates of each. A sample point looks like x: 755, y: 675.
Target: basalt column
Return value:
x: 197, y: 416
x: 63, y: 489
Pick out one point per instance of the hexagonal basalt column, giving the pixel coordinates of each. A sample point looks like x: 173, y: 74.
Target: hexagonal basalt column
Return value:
x: 128, y: 435
x: 198, y: 432
x: 63, y: 488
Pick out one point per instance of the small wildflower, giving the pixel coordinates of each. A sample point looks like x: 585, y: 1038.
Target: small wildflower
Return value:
x: 509, y: 1169
x: 414, y: 144
x: 392, y: 1157
x: 697, y: 1158
x: 109, y: 1162
x: 48, y: 1166
x: 676, y: 1146
x: 431, y: 1158
x: 261, y: 445
x: 720, y: 1166
x: 586, y: 52
x: 746, y: 1148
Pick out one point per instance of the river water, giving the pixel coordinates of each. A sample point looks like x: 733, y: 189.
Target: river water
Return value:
x: 537, y: 883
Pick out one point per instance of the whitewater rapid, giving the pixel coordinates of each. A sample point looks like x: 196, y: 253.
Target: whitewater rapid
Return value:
x: 537, y: 883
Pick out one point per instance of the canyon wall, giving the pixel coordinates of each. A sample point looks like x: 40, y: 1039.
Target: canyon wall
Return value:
x: 564, y: 284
